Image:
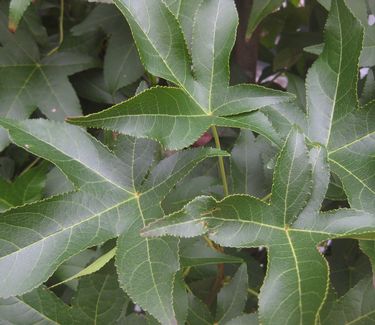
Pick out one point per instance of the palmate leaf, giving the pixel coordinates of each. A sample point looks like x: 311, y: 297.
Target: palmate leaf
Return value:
x: 334, y: 117
x: 177, y: 117
x: 113, y: 199
x: 290, y: 227
x: 29, y: 81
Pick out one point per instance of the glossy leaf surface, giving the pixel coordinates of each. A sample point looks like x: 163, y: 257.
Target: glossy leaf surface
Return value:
x: 290, y: 227
x: 109, y: 202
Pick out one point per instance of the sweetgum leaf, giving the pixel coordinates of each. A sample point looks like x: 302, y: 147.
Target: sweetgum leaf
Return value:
x: 121, y: 62
x: 99, y: 300
x: 29, y: 80
x: 198, y: 312
x: 357, y: 306
x: 26, y: 188
x: 290, y: 227
x: 361, y: 9
x: 334, y: 116
x: 248, y: 172
x: 38, y: 306
x: 232, y: 298
x: 109, y: 202
x: 260, y: 9
x: 347, y: 264
x: 177, y: 117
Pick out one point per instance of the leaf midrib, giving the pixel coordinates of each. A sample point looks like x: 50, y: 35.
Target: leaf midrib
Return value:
x: 337, y: 80
x: 298, y: 277
x: 150, y: 262
x: 352, y: 174
x: 68, y: 156
x: 161, y: 57
x: 96, y: 215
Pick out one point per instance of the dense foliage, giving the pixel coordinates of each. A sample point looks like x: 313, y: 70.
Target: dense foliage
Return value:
x: 164, y: 162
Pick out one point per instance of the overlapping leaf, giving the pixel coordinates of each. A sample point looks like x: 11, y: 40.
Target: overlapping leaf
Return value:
x: 334, y: 116
x: 29, y: 81
x: 113, y: 199
x: 361, y: 9
x: 177, y: 117
x: 99, y: 300
x: 290, y: 227
x: 39, y: 306
x: 26, y: 188
x: 121, y: 62
x: 259, y: 10
x: 355, y: 307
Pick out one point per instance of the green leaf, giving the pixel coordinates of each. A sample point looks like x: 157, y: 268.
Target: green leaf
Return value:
x: 109, y: 202
x: 290, y: 227
x: 92, y: 268
x: 38, y: 306
x: 316, y: 49
x: 177, y: 117
x: 27, y: 188
x: 334, y: 117
x: 232, y: 298
x: 195, y: 252
x: 361, y: 11
x: 248, y: 173
x: 57, y: 183
x: 296, y: 86
x: 188, y: 190
x: 198, y: 312
x: 356, y: 307
x: 99, y: 300
x: 29, y: 81
x: 331, y: 81
x: 121, y: 62
x: 180, y: 299
x: 259, y: 10
x: 170, y: 117
x: 74, y: 265
x: 368, y: 93
x: 368, y: 247
x: 16, y: 10
x: 348, y: 265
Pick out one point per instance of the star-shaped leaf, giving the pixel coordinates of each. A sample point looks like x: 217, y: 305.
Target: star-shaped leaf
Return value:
x: 113, y: 198
x: 29, y: 80
x: 291, y: 227
x: 177, y: 117
x: 334, y: 116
